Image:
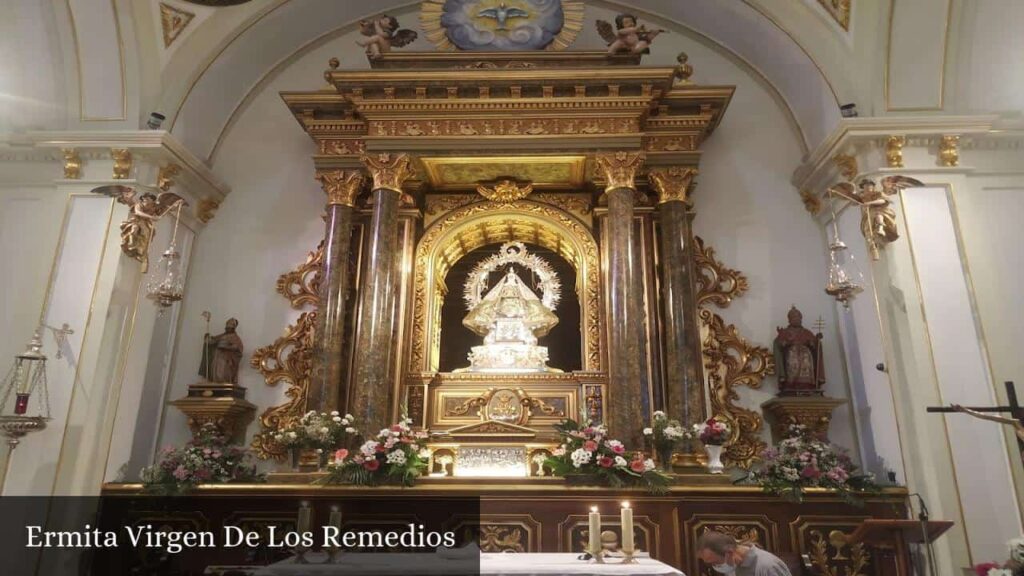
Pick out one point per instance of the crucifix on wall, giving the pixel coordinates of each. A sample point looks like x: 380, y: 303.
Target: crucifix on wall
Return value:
x: 1015, y: 411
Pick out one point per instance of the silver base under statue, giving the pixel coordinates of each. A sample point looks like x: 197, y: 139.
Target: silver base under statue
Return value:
x: 508, y: 358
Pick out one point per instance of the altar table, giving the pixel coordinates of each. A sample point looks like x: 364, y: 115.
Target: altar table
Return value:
x: 493, y: 564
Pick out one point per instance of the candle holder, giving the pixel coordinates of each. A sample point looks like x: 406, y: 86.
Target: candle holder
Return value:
x: 629, y: 557
x: 333, y: 554
x: 596, y: 556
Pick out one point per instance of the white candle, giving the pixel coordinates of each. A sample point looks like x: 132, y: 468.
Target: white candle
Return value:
x: 335, y: 520
x: 304, y: 517
x: 627, y: 528
x: 595, y: 531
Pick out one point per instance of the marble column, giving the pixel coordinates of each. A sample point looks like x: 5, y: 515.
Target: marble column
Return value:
x: 370, y: 400
x: 684, y: 392
x: 326, y: 390
x: 625, y: 300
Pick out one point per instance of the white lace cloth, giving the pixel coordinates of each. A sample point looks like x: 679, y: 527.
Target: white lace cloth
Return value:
x: 489, y: 565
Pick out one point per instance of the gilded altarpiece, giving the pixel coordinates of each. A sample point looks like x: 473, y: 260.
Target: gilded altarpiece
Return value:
x: 511, y: 117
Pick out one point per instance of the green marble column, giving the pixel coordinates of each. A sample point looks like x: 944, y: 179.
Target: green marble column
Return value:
x: 326, y: 391
x: 684, y: 393
x: 625, y: 301
x: 372, y: 385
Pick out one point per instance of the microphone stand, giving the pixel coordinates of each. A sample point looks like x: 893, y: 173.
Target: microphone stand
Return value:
x: 923, y: 517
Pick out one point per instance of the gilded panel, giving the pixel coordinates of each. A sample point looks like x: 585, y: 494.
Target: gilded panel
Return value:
x: 754, y: 528
x: 823, y: 539
x: 509, y: 533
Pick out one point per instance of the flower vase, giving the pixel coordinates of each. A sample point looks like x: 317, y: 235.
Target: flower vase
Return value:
x: 665, y: 460
x: 322, y: 458
x: 715, y: 465
x: 295, y: 454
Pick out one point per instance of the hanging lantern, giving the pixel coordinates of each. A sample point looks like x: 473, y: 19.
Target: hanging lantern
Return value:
x: 24, y: 381
x: 168, y: 286
x: 845, y: 280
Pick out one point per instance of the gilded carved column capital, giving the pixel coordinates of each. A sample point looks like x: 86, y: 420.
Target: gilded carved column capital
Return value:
x: 72, y: 164
x: 122, y: 162
x: 165, y: 177
x: 672, y: 184
x: 341, y: 186
x: 619, y: 169
x: 894, y: 151
x: 389, y: 171
x: 949, y: 151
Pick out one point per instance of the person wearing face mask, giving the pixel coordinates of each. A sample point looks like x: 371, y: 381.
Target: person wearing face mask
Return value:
x: 727, y: 556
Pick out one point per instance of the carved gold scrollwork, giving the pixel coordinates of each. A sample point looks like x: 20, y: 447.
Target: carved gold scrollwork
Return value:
x: 502, y: 539
x: 505, y: 190
x: 290, y: 360
x: 302, y: 285
x: 716, y: 284
x: 619, y: 169
x: 730, y: 362
x: 165, y: 176
x: 828, y: 555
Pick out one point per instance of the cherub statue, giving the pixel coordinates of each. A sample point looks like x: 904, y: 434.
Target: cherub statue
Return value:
x: 627, y: 36
x: 383, y: 34
x: 878, y: 219
x: 144, y: 211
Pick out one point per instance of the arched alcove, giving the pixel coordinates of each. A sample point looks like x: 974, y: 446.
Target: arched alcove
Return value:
x: 563, y: 341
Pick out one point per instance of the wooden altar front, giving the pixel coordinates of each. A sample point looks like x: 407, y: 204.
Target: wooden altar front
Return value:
x: 539, y: 515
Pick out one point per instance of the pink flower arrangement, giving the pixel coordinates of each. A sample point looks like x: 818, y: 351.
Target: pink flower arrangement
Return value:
x: 209, y: 458
x: 587, y: 452
x: 396, y: 455
x: 801, y: 461
x: 713, y: 432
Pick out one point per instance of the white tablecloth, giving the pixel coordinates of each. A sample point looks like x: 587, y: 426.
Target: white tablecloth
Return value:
x: 489, y: 564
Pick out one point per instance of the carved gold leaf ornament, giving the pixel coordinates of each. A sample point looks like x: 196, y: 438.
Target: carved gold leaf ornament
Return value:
x: 72, y: 164
x: 847, y: 165
x: 949, y: 152
x: 341, y: 186
x: 716, y: 283
x: 894, y: 151
x: 839, y: 10
x: 619, y: 169
x: 206, y: 209
x: 165, y: 176
x: 505, y: 190
x: 672, y: 184
x: 302, y: 286
x: 389, y: 171
x: 812, y: 202
x: 173, y: 21
x: 290, y: 360
x: 731, y: 362
x: 122, y: 163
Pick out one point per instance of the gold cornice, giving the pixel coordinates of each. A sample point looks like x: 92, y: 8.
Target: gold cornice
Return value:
x: 619, y: 169
x: 341, y: 186
x: 474, y: 77
x: 672, y: 184
x: 389, y: 171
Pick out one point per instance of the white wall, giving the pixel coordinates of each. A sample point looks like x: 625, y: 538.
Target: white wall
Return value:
x: 746, y: 208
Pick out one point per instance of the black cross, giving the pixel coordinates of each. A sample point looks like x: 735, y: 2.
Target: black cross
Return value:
x: 1014, y: 409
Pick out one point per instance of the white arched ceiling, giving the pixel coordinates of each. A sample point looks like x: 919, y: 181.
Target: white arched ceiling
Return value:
x: 204, y: 107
